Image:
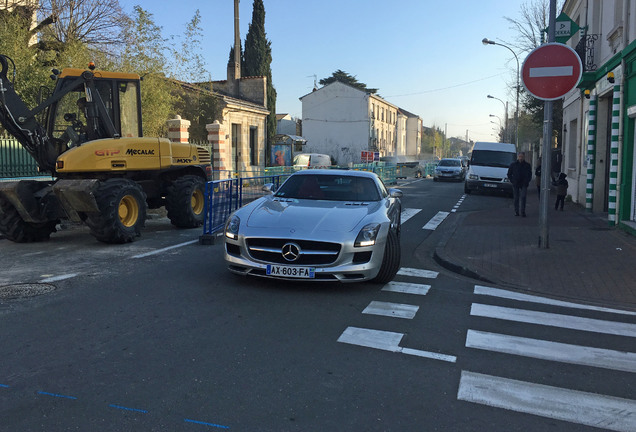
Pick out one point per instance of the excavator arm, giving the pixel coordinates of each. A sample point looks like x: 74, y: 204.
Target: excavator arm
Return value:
x: 18, y: 120
x: 21, y: 122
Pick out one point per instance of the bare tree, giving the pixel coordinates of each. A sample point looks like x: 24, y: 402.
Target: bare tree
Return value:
x: 530, y: 26
x: 93, y: 22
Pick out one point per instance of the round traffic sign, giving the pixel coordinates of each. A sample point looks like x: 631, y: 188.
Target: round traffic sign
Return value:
x: 551, y: 71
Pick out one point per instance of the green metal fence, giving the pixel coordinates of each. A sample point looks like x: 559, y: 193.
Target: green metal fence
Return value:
x: 15, y: 161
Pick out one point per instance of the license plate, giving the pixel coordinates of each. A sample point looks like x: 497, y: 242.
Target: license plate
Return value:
x: 291, y: 272
x: 491, y: 185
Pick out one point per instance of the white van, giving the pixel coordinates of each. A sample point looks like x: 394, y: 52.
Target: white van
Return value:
x: 311, y: 160
x: 488, y: 169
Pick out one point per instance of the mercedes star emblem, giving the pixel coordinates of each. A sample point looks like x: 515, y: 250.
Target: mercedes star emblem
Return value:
x: 291, y: 251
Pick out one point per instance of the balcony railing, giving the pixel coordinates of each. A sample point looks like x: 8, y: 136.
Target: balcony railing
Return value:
x: 585, y: 49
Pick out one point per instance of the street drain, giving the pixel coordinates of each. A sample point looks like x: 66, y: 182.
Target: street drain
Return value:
x: 17, y: 291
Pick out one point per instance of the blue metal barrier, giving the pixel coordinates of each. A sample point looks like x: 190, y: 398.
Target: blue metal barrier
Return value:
x: 222, y: 197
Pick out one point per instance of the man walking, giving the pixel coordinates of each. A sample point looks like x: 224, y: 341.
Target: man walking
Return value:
x: 520, y: 174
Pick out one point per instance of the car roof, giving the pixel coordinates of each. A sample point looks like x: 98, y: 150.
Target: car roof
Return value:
x: 339, y: 172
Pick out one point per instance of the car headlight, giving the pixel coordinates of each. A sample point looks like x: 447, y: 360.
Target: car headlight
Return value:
x: 367, y: 235
x: 232, y: 227
x: 506, y: 180
x: 473, y: 176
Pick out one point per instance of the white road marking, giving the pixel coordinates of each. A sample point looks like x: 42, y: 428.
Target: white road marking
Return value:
x: 387, y: 341
x: 551, y: 71
x: 553, y: 351
x: 395, y: 310
x: 436, y: 220
x: 408, y: 213
x: 552, y: 402
x: 58, y: 278
x: 158, y: 251
x: 496, y: 292
x: 554, y: 320
x: 429, y: 274
x: 407, y: 288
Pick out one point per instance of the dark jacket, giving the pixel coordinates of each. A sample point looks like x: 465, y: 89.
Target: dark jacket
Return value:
x: 562, y: 185
x: 520, y: 173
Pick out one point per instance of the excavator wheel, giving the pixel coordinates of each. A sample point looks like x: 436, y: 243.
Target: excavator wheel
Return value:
x: 122, y: 211
x: 185, y: 201
x: 16, y: 229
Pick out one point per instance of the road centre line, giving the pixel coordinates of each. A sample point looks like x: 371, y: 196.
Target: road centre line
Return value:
x: 496, y: 292
x: 574, y: 406
x: 429, y: 274
x: 407, y: 288
x: 387, y: 341
x: 58, y: 278
x: 158, y: 251
x: 394, y: 310
x: 436, y: 220
x: 553, y: 351
x: 554, y: 320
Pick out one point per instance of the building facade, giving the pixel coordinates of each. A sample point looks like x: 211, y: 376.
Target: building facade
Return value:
x: 343, y: 121
x: 599, y: 115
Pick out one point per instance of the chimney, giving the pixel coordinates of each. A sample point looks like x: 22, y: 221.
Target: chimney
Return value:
x: 237, y: 49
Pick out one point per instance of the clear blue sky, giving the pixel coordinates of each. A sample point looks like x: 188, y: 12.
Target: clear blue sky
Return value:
x: 424, y: 56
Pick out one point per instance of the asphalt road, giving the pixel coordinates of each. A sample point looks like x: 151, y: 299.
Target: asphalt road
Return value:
x: 158, y: 336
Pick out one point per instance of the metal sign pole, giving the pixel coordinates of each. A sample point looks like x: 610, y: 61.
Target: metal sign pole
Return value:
x: 546, y: 158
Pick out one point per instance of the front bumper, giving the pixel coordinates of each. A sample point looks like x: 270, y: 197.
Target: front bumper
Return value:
x: 448, y: 175
x: 353, y: 264
x: 488, y: 185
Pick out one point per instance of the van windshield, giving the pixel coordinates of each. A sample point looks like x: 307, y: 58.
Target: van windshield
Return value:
x: 492, y: 158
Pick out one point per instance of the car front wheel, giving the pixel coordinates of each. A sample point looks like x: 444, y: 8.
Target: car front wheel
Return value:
x: 391, y: 261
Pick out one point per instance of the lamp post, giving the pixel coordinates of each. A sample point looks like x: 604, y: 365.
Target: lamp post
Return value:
x: 487, y: 41
x: 505, y: 105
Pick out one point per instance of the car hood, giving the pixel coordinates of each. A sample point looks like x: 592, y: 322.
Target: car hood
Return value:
x: 309, y: 215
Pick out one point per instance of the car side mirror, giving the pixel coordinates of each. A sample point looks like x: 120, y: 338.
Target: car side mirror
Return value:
x: 395, y: 193
x: 269, y: 188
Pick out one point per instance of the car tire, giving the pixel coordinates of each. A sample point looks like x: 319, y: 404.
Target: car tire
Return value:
x: 434, y: 179
x: 391, y: 261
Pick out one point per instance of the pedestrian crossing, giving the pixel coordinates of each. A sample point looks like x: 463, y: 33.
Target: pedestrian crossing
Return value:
x: 514, y: 326
x: 568, y: 404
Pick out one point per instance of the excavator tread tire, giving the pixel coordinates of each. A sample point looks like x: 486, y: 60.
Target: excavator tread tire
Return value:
x: 185, y: 201
x: 13, y: 227
x: 122, y: 211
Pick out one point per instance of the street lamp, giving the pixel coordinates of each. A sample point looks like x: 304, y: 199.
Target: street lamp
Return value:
x: 505, y: 105
x: 487, y: 41
x: 498, y: 118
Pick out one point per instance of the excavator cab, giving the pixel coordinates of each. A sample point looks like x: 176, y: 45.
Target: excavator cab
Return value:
x: 93, y: 105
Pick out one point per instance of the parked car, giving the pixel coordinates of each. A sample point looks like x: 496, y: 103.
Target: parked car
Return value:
x: 449, y: 169
x: 311, y: 160
x: 326, y: 225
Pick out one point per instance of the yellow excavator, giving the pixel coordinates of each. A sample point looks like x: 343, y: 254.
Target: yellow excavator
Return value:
x: 88, y: 135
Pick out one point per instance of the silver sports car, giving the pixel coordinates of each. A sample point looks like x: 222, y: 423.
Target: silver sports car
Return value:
x: 321, y: 225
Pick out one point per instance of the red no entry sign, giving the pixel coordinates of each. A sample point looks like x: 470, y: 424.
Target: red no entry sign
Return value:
x: 551, y: 71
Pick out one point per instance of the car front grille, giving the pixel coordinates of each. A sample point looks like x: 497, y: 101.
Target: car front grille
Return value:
x: 494, y: 179
x: 311, y: 252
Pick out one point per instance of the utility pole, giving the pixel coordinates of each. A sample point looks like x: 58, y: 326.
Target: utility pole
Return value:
x: 546, y: 159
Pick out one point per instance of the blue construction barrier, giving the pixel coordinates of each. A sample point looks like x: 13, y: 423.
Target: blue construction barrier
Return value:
x: 222, y: 197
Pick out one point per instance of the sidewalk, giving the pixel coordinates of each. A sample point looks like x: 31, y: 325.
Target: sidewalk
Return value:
x: 586, y: 260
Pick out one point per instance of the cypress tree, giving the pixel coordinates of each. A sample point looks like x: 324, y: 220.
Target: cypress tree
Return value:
x: 257, y: 60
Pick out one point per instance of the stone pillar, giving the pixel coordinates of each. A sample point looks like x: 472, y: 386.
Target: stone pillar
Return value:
x: 178, y: 130
x: 216, y: 138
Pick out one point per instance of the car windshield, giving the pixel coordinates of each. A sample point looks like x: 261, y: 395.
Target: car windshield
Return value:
x: 492, y: 158
x: 449, y: 162
x: 329, y: 187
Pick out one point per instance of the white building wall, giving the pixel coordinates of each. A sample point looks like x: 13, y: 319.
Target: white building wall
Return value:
x: 413, y: 136
x: 336, y: 122
x: 401, y: 134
